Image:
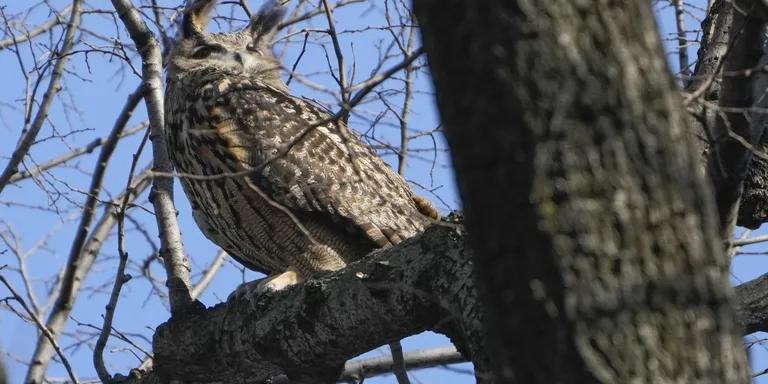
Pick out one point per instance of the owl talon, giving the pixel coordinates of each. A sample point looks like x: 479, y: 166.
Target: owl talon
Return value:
x: 269, y: 284
x: 280, y: 281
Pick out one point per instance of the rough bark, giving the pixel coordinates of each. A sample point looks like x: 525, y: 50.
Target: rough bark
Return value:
x: 753, y: 308
x: 754, y: 203
x: 720, y: 28
x: 305, y: 334
x: 733, y: 136
x: 594, y: 230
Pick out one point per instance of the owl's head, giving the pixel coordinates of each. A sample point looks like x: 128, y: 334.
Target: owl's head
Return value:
x: 247, y: 52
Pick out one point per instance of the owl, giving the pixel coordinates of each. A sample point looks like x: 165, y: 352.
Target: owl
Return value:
x: 273, y: 179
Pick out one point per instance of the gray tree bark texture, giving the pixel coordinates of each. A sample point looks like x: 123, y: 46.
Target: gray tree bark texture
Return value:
x: 305, y: 334
x: 595, y: 232
x: 729, y: 157
x: 732, y: 40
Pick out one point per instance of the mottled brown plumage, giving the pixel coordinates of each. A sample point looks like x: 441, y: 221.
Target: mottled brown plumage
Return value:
x: 288, y: 188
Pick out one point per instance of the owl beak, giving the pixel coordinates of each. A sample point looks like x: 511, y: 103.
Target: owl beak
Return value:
x: 245, y: 59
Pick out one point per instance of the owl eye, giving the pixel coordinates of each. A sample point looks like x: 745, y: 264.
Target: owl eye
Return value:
x: 206, y: 50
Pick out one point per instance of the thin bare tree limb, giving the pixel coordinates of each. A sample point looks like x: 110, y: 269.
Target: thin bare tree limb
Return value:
x: 342, y: 78
x: 209, y: 274
x: 66, y: 296
x: 357, y: 370
x: 172, y: 252
x: 54, y: 85
x: 121, y: 277
x: 682, y: 40
x: 398, y: 363
x: 42, y: 28
x: 43, y: 329
x: 316, y: 12
x: 75, y: 153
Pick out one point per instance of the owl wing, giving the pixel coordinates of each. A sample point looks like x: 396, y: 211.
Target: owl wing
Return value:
x: 310, y: 164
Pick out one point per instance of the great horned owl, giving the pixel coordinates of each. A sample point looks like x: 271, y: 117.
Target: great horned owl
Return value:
x: 289, y: 191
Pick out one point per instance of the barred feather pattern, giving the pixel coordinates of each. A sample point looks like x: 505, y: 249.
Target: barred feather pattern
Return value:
x: 294, y: 187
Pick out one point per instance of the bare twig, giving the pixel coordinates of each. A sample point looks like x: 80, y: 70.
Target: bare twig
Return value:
x: 298, y: 58
x: 121, y: 277
x: 402, y: 156
x: 42, y: 28
x: 246, y: 8
x: 398, y: 363
x: 342, y: 77
x: 59, y: 314
x: 316, y: 12
x: 77, y: 152
x: 43, y: 329
x: 207, y: 277
x: 682, y: 40
x: 398, y: 360
x: 355, y: 370
x: 30, y: 133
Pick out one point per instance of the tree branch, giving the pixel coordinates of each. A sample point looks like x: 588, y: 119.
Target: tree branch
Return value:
x: 88, y: 148
x: 43, y: 329
x: 42, y: 28
x: 66, y: 297
x: 54, y: 85
x: 172, y: 252
x: 425, y: 283
x: 358, y: 370
x: 306, y: 333
x: 753, y: 304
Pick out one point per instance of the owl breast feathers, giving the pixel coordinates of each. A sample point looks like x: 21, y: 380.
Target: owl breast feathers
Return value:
x: 286, y: 186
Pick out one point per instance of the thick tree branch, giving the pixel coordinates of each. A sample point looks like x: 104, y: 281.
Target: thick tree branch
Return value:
x: 423, y: 284
x: 753, y: 308
x: 682, y: 38
x: 306, y: 333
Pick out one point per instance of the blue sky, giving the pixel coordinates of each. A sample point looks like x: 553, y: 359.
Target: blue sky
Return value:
x: 99, y: 95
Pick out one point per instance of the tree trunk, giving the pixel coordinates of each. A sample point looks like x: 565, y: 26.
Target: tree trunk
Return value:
x: 732, y: 41
x: 597, y: 250
x: 729, y: 157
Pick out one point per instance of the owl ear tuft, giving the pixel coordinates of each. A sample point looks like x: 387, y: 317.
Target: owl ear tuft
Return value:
x: 265, y: 22
x: 196, y: 17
